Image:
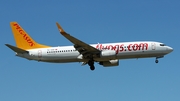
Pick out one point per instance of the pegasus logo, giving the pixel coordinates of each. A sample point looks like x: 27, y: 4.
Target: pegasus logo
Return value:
x: 25, y: 36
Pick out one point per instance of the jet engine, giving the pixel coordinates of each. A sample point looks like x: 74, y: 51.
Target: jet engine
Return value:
x: 110, y: 63
x: 108, y: 53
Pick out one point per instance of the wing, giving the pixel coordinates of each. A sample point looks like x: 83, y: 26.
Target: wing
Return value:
x: 83, y: 48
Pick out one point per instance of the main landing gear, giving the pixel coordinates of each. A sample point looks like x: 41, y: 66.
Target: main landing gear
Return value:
x: 91, y: 64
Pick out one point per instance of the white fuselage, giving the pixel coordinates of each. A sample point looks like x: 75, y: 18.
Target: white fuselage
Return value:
x: 124, y: 50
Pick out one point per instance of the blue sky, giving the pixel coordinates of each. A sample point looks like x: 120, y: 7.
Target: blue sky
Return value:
x: 94, y: 21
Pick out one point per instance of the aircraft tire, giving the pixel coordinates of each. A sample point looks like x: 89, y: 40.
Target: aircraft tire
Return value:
x: 92, y: 68
x: 91, y: 64
x: 156, y: 61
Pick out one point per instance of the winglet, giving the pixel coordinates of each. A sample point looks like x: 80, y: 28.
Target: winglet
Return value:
x: 60, y: 28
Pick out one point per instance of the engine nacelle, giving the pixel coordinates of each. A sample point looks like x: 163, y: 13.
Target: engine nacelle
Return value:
x: 108, y: 53
x: 110, y: 63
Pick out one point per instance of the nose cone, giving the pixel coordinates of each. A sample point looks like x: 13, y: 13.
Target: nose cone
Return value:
x: 169, y: 49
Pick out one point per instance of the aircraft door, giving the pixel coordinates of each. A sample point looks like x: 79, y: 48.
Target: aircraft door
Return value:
x: 153, y: 45
x: 39, y: 53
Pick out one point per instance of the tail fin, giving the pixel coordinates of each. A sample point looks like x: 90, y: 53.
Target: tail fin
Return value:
x: 23, y: 40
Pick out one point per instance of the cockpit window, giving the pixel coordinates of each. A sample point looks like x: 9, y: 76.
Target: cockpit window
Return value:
x: 162, y: 45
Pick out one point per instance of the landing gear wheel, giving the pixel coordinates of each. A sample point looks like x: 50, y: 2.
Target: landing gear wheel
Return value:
x: 91, y: 64
x: 156, y: 61
x: 92, y: 67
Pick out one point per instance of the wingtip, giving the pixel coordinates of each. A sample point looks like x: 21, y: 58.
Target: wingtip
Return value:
x: 59, y: 27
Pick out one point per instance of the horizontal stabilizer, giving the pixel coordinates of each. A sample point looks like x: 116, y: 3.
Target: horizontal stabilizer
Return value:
x: 16, y: 49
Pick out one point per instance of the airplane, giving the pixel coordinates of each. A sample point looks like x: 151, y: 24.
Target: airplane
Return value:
x: 106, y: 54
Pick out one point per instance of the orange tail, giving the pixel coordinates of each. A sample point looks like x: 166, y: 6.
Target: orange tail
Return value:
x: 23, y: 40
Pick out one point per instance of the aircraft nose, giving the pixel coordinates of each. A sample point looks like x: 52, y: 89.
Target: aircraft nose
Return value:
x: 169, y: 49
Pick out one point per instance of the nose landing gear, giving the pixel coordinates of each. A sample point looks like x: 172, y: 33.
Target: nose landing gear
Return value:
x: 157, y: 61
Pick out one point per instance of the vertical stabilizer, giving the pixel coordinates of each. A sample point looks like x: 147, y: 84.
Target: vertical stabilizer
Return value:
x: 22, y: 39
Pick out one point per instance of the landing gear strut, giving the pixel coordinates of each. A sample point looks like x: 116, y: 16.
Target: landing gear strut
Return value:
x: 91, y: 64
x: 156, y: 61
